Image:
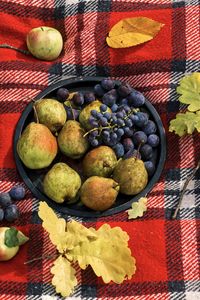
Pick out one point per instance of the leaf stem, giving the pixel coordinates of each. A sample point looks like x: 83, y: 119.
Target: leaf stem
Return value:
x: 184, y: 189
x: 40, y: 258
x: 14, y: 48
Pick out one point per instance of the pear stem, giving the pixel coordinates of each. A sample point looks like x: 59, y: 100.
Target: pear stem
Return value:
x: 36, y: 115
x: 39, y: 258
x: 15, y: 48
x: 184, y: 189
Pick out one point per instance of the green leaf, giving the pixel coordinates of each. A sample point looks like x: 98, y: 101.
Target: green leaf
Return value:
x: 11, y: 239
x: 185, y: 123
x: 189, y: 89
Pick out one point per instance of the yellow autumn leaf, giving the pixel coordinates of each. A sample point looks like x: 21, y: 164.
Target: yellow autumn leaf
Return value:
x: 64, y: 236
x: 64, y: 278
x: 138, y: 208
x: 108, y: 255
x: 130, y: 32
x: 53, y: 225
x: 77, y: 233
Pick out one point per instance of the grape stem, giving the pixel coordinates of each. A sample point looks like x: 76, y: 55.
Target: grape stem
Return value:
x: 184, y: 189
x: 15, y: 48
x: 41, y: 257
x: 101, y: 128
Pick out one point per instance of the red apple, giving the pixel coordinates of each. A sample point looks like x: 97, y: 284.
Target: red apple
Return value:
x: 44, y: 42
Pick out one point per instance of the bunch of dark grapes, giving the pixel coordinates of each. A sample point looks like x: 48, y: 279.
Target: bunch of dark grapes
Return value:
x: 126, y: 129
x: 8, y: 210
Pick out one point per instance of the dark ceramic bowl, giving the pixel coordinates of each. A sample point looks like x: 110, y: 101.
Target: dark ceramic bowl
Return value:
x: 33, y: 178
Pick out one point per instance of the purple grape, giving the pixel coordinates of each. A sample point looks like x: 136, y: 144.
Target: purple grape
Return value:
x: 120, y: 132
x: 120, y: 122
x: 139, y: 138
x: 141, y: 120
x: 17, y: 192
x: 99, y: 115
x: 128, y: 131
x: 103, y: 108
x: 114, y: 107
x: 103, y: 121
x: 124, y: 90
x: 93, y: 113
x: 127, y: 108
x: 78, y: 99
x: 62, y: 94
x: 99, y: 91
x: 113, y: 137
x: 107, y: 115
x: 89, y: 97
x: 120, y: 114
x: 107, y: 84
x: 124, y: 101
x: 1, y: 214
x: 150, y: 127
x: 5, y: 199
x: 109, y: 98
x: 119, y: 150
x: 150, y: 167
x: 72, y: 114
x: 114, y: 119
x: 136, y: 99
x: 128, y: 144
x: 11, y: 213
x: 106, y: 134
x: 153, y: 140
x: 128, y: 122
x: 94, y: 133
x: 146, y: 152
x: 94, y: 143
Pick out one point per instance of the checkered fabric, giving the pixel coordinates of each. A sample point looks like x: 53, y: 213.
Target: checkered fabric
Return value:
x: 167, y: 251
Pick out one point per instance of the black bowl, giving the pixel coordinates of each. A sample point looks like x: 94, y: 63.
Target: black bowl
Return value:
x: 33, y: 178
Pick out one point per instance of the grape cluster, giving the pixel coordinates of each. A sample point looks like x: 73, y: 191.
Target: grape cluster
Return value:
x: 8, y: 210
x: 127, y: 128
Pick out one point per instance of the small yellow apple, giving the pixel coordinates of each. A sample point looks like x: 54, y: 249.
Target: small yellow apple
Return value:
x: 44, y: 42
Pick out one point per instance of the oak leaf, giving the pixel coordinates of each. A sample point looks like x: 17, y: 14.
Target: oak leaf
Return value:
x: 64, y: 278
x: 56, y: 227
x: 108, y: 255
x: 189, y: 88
x: 138, y: 208
x: 132, y: 31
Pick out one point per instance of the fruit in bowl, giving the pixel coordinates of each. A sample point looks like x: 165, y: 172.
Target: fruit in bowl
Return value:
x: 111, y: 131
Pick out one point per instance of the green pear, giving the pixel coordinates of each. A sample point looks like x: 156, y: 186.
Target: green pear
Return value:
x: 100, y: 161
x: 99, y: 193
x: 86, y: 113
x: 131, y: 175
x: 37, y: 147
x: 51, y: 113
x: 61, y: 183
x: 71, y: 140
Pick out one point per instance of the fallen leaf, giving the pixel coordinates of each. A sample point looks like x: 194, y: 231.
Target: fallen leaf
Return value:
x: 185, y: 123
x: 132, y: 31
x: 108, y: 255
x: 189, y: 88
x: 64, y: 278
x: 53, y: 225
x: 138, y: 208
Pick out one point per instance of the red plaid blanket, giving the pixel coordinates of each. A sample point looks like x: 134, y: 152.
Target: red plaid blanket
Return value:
x: 167, y: 251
